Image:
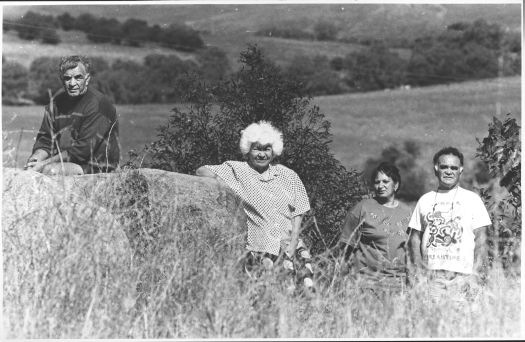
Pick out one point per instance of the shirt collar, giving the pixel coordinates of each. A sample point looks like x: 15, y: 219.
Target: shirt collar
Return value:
x: 267, y: 175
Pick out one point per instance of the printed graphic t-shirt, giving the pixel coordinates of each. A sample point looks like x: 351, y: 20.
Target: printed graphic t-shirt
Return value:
x: 378, y: 235
x: 447, y: 220
x: 270, y: 201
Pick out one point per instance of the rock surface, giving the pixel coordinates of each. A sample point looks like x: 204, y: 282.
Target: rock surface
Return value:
x: 74, y: 245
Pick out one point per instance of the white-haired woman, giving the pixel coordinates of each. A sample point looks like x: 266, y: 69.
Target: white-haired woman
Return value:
x: 274, y: 200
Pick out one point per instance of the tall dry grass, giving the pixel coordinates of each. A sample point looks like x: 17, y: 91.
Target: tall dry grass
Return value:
x: 65, y: 278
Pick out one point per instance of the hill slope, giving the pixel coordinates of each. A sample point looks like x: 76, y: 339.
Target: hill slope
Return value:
x: 230, y: 27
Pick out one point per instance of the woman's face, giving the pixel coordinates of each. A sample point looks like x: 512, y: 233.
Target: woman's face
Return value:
x: 384, y: 186
x: 260, y: 156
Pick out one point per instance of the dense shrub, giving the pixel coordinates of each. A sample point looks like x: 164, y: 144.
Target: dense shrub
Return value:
x: 374, y: 68
x: 33, y: 26
x: 135, y: 31
x: 501, y: 151
x: 208, y: 133
x: 181, y: 37
x: 324, y: 30
x: 66, y: 21
x: 213, y: 63
x: 14, y: 82
x: 463, y: 51
x: 105, y: 31
x: 315, y: 74
x: 44, y: 77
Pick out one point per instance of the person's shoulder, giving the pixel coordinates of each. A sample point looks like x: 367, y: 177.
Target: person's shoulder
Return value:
x: 285, y: 170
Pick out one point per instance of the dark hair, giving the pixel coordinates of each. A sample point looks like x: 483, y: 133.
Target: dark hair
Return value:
x: 71, y: 62
x: 448, y: 150
x: 388, y: 169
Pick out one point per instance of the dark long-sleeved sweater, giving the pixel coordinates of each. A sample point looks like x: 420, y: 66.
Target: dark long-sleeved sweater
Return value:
x: 86, y: 127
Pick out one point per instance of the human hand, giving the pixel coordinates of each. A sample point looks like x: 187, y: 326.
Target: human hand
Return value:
x: 35, y: 165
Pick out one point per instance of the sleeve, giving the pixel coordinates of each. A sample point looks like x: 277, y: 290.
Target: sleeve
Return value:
x: 353, y: 219
x: 481, y: 217
x: 415, y: 220
x: 226, y: 172
x: 44, y: 138
x: 90, y: 136
x: 301, y: 201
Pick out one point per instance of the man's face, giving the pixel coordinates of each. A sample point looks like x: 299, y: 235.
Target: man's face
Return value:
x: 75, y: 80
x: 448, y: 171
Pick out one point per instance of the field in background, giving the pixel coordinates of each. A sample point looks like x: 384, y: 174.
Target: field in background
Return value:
x: 230, y: 27
x: 362, y: 124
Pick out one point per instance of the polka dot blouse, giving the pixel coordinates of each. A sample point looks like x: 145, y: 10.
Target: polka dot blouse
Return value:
x: 270, y: 200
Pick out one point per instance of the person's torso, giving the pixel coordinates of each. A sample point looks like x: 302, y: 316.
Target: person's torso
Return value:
x: 383, y: 237
x: 448, y: 236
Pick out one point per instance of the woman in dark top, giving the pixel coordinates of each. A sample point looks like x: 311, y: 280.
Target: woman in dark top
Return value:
x: 374, y: 234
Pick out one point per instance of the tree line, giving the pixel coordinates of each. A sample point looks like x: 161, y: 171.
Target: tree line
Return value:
x: 132, y: 32
x: 464, y: 51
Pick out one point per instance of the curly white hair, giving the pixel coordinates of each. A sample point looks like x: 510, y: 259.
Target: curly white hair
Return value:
x: 264, y: 133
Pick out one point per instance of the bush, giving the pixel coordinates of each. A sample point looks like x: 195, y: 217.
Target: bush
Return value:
x: 135, y: 32
x: 14, y: 81
x: 34, y: 26
x: 105, y: 31
x: 501, y: 151
x: 208, y: 133
x: 181, y: 37
x: 324, y: 30
x: 44, y: 77
x: 66, y: 21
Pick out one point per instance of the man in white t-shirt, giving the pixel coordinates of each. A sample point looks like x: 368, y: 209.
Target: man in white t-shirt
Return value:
x: 448, y: 231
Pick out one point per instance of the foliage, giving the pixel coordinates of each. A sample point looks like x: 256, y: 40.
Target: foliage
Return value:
x: 44, y: 76
x: 213, y: 64
x: 315, y: 75
x: 287, y: 31
x: 501, y: 151
x: 34, y: 26
x: 374, y: 68
x: 181, y: 37
x: 412, y: 178
x: 66, y: 21
x: 208, y: 133
x: 325, y: 30
x: 105, y: 31
x: 14, y: 82
x: 463, y: 51
x: 135, y: 31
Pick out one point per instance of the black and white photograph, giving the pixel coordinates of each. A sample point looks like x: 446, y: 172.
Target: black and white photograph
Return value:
x: 240, y: 170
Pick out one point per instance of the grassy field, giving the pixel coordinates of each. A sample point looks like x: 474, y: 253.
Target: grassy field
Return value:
x: 362, y: 124
x: 64, y: 278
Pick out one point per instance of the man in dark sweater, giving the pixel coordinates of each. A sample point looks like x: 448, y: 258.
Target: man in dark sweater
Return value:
x: 79, y: 132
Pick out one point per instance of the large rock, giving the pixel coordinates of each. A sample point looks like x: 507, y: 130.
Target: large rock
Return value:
x: 81, y: 250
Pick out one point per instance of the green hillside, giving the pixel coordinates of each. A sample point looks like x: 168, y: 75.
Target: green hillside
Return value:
x: 230, y: 27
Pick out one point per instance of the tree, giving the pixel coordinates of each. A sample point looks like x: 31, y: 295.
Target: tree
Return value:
x: 44, y: 76
x: 14, y: 82
x: 181, y: 37
x: 105, y: 31
x: 135, y: 32
x: 213, y: 63
x: 208, y: 133
x: 501, y: 151
x: 66, y: 21
x: 324, y: 30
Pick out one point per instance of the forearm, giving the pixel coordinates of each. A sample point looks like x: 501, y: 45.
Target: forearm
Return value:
x: 480, y: 250
x: 415, y: 259
x: 203, y: 171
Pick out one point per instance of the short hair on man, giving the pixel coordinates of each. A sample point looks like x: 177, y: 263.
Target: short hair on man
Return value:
x: 448, y: 150
x: 70, y: 62
x: 389, y: 170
